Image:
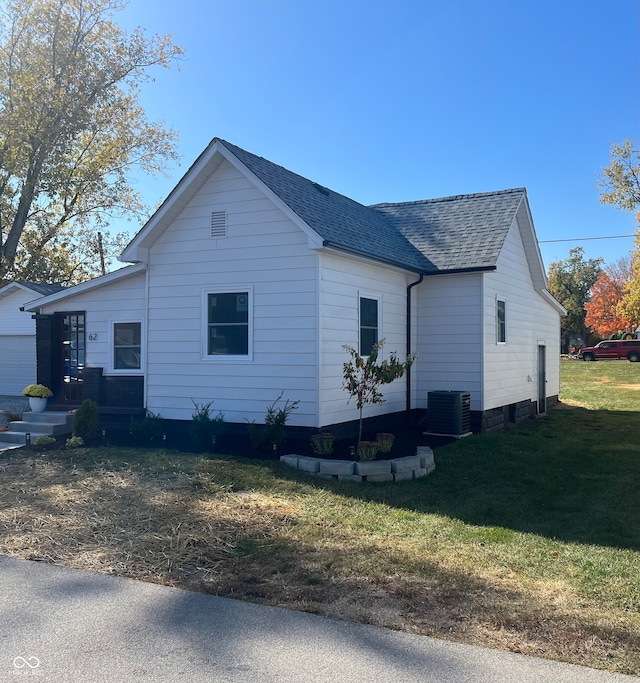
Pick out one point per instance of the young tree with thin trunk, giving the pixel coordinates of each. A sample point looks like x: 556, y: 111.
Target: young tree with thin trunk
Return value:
x: 71, y: 127
x: 364, y: 376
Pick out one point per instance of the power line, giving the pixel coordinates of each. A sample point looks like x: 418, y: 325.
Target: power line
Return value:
x: 585, y: 239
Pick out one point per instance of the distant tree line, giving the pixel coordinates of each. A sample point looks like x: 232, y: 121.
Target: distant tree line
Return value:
x: 603, y: 301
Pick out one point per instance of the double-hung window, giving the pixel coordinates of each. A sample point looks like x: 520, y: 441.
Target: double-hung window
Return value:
x: 369, y: 324
x: 228, y: 331
x: 127, y: 346
x: 501, y: 321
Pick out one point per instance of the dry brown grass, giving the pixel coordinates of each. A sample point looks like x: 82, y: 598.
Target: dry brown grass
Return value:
x: 297, y: 546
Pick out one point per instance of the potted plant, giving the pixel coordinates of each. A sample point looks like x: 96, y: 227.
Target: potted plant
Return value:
x: 322, y: 443
x: 385, y: 441
x: 38, y: 395
x: 367, y: 450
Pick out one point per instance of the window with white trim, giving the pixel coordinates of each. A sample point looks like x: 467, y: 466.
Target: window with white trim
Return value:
x: 228, y: 331
x: 369, y: 324
x: 501, y: 321
x: 127, y: 346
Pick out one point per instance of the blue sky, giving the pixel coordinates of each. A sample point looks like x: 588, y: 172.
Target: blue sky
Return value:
x: 407, y: 100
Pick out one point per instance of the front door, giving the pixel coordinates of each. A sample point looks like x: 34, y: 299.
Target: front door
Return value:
x: 542, y: 379
x: 73, y: 350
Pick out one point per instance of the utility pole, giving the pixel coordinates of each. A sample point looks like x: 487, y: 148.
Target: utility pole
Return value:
x: 101, y: 250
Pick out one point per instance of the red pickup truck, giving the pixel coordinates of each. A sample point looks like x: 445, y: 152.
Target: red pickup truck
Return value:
x: 612, y: 349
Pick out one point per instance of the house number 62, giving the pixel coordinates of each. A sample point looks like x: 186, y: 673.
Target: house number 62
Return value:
x: 93, y: 337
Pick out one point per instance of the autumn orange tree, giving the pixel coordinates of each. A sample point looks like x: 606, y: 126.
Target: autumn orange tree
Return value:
x: 602, y: 309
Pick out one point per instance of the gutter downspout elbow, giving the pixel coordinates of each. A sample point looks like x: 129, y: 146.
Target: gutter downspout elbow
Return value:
x: 409, y: 288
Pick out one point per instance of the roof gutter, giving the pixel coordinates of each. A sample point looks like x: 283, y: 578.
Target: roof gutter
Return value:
x: 409, y: 288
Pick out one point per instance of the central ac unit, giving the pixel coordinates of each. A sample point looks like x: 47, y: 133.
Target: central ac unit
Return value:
x: 449, y: 412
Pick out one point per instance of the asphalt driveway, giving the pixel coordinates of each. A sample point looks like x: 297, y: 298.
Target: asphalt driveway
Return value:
x: 59, y: 624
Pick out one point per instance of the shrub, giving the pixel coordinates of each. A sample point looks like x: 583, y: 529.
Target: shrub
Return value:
x: 271, y: 433
x: 148, y: 430
x: 74, y: 442
x: 44, y: 441
x: 86, y: 420
x: 205, y: 428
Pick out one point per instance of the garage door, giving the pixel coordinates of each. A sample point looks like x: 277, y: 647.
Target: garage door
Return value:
x: 17, y: 363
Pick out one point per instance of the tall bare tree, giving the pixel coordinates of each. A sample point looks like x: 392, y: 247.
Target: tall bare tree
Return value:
x: 71, y: 126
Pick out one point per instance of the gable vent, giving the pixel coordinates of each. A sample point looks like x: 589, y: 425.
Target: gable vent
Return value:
x: 218, y: 224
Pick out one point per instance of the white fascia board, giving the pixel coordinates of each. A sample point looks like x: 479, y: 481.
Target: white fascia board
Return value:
x: 531, y: 246
x: 547, y: 296
x: 16, y: 287
x: 83, y: 287
x: 314, y: 240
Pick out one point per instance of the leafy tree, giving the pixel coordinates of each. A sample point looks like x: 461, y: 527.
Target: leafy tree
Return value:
x: 71, y: 126
x: 72, y: 256
x: 620, y: 181
x: 363, y: 377
x: 629, y: 306
x: 570, y: 282
x: 620, y: 186
x: 602, y: 310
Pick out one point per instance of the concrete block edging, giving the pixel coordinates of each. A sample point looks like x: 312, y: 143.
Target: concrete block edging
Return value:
x: 396, y: 469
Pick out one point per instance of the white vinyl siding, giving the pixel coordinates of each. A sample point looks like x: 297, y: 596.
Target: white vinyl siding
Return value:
x: 449, y: 340
x: 511, y: 368
x: 264, y: 253
x: 342, y: 281
x: 17, y: 342
x: 17, y: 363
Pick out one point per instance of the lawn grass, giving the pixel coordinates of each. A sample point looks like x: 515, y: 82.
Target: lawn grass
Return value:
x: 527, y: 540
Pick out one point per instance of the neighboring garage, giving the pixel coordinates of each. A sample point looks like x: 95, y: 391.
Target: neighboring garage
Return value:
x: 18, y: 335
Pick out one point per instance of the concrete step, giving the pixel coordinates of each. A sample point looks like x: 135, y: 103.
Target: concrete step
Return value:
x: 48, y: 423
x: 48, y: 417
x: 19, y: 438
x: 50, y: 428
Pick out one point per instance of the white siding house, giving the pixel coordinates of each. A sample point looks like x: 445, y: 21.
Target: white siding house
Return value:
x: 18, y: 335
x: 249, y: 280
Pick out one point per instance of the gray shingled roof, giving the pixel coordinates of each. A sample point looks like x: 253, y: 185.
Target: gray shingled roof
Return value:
x: 465, y: 232
x: 457, y: 233
x: 45, y: 290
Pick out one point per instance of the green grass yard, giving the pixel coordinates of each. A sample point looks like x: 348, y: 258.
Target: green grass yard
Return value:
x: 527, y: 540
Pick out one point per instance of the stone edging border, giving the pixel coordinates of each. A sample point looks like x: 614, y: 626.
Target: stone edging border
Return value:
x: 396, y: 469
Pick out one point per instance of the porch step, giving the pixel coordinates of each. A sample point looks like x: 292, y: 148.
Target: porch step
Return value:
x: 36, y: 424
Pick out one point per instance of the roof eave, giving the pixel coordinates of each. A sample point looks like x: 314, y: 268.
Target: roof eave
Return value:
x: 127, y: 271
x: 404, y: 266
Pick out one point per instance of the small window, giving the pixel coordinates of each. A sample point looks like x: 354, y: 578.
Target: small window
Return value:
x: 127, y: 346
x: 368, y: 325
x: 228, y: 324
x: 501, y: 321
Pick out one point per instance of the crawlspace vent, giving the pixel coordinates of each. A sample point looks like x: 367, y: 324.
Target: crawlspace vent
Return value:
x: 218, y: 224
